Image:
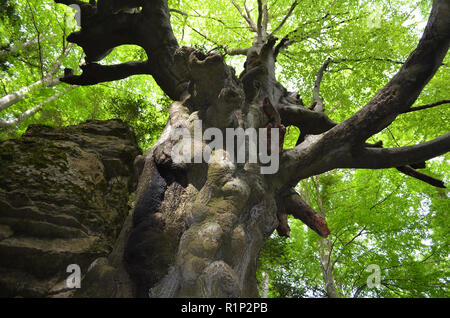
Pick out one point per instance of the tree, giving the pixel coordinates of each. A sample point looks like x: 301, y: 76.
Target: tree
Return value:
x: 18, y: 54
x: 396, y: 224
x: 33, y: 55
x: 197, y: 229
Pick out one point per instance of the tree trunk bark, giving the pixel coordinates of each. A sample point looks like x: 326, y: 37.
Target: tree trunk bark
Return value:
x: 199, y: 235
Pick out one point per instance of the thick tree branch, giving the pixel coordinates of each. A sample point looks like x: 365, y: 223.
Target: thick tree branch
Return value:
x: 308, y: 121
x: 69, y: 2
x: 283, y: 228
x: 343, y: 145
x: 94, y: 73
x: 98, y: 39
x: 107, y: 7
x: 317, y: 154
x: 410, y: 170
x: 108, y: 26
x: 104, y: 6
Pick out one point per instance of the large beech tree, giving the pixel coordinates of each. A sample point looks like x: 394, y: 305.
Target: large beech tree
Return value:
x: 197, y: 229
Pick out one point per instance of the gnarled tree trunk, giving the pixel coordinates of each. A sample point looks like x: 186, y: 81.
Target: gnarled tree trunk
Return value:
x: 197, y: 228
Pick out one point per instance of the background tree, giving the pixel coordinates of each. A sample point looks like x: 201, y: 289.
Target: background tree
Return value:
x: 33, y: 55
x: 197, y: 229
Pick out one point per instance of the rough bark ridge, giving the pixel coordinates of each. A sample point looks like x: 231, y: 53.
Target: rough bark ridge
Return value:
x: 63, y: 200
x: 197, y: 229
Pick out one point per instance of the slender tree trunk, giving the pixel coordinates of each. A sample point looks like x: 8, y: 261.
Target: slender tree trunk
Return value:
x: 13, y: 98
x: 206, y: 223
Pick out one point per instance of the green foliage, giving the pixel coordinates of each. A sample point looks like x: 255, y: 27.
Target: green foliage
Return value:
x: 291, y: 137
x: 404, y: 223
x: 137, y: 100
